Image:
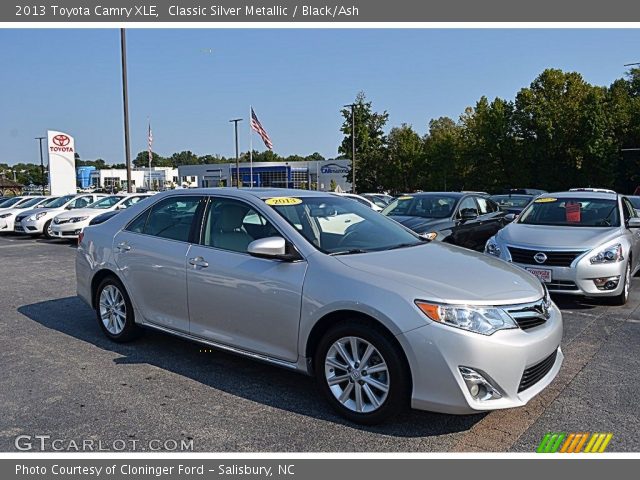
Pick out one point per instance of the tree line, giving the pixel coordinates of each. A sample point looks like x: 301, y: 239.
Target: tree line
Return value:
x: 559, y: 132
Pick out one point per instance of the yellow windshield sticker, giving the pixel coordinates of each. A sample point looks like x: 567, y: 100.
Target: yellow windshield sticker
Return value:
x: 545, y: 200
x: 406, y: 197
x: 278, y: 201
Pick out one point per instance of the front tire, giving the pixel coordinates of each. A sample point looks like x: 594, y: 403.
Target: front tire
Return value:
x: 115, y: 312
x: 623, y: 297
x: 362, y: 373
x: 46, y: 230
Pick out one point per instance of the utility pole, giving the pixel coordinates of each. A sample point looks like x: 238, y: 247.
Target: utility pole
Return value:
x: 353, y: 145
x: 125, y: 101
x: 235, y: 126
x: 41, y: 163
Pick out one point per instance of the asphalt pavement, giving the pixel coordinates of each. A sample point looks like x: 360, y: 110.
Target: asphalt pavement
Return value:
x: 62, y: 379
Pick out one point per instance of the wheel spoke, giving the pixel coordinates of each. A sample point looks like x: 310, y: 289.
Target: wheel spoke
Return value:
x: 380, y: 367
x: 333, y: 362
x: 343, y: 353
x: 335, y: 380
x: 372, y: 397
x: 353, y: 341
x: 359, y: 402
x: 344, y: 396
x: 376, y: 384
x: 367, y: 355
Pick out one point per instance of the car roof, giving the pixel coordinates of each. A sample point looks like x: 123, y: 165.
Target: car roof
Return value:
x: 581, y: 194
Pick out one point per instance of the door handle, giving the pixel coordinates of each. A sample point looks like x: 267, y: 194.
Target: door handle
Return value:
x: 198, y: 262
x: 124, y: 247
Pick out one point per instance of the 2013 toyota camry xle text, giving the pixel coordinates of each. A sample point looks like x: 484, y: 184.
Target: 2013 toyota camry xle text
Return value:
x: 323, y: 285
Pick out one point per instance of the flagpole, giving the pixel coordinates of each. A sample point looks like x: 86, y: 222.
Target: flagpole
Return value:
x: 250, y: 147
x: 150, y: 150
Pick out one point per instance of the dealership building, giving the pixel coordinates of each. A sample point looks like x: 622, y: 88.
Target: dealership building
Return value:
x: 315, y: 175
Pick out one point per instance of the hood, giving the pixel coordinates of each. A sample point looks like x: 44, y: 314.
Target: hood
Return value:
x: 555, y: 237
x: 418, y: 224
x: 82, y: 212
x: 449, y: 274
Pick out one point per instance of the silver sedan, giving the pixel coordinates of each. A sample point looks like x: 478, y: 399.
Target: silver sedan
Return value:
x: 577, y: 242
x: 325, y: 286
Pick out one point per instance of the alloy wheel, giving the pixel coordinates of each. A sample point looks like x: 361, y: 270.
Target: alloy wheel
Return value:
x: 113, y: 309
x: 357, y: 374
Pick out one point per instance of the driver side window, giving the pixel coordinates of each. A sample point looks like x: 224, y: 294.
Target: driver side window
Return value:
x: 80, y: 202
x: 467, y: 204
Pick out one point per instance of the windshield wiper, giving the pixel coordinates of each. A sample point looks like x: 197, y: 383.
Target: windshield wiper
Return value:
x: 405, y: 245
x: 348, y: 252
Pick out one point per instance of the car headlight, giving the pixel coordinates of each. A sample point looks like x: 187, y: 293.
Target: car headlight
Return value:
x: 492, y: 247
x: 611, y: 254
x: 38, y: 216
x: 429, y: 235
x: 478, y: 319
x: 77, y: 219
x: 5, y: 215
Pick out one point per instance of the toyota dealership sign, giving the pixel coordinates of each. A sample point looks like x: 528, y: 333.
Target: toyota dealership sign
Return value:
x: 62, y: 163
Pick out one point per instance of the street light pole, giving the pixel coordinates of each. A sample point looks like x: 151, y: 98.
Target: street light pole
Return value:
x: 235, y: 126
x: 41, y: 163
x: 353, y: 145
x: 125, y: 101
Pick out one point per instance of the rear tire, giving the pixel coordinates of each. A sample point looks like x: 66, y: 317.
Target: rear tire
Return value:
x: 368, y: 387
x: 115, y: 312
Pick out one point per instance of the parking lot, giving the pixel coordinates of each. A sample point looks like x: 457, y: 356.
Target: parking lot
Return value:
x: 62, y: 377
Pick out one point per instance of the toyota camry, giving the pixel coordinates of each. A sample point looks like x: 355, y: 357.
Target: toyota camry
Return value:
x: 323, y: 285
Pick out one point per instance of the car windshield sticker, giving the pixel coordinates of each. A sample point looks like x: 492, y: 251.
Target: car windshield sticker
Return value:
x: 277, y: 201
x: 546, y: 200
x: 406, y: 197
x: 572, y: 211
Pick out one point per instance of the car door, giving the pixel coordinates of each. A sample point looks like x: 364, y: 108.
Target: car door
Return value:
x: 464, y: 231
x: 151, y: 255
x: 628, y: 212
x: 491, y: 220
x: 237, y: 299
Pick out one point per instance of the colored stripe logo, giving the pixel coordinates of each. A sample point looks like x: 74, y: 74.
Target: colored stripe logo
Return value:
x: 584, y: 442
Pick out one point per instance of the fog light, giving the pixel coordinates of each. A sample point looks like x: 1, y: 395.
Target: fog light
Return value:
x: 607, y: 283
x: 479, y: 387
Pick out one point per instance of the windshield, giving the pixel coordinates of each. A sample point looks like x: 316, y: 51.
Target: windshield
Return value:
x: 10, y: 202
x: 49, y: 201
x: 106, y: 202
x: 31, y: 202
x: 572, y: 212
x: 427, y: 206
x: 510, y: 201
x: 338, y: 225
x: 58, y: 202
x: 377, y: 200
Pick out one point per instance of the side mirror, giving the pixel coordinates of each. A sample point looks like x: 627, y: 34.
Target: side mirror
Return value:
x: 468, y: 214
x: 271, y: 247
x: 634, y: 222
x: 509, y: 217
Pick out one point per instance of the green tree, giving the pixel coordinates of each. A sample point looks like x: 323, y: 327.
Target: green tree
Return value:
x: 370, y: 143
x: 142, y: 160
x: 404, y: 156
x: 443, y: 149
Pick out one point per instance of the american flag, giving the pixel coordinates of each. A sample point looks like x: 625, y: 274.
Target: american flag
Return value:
x: 150, y: 142
x: 257, y: 126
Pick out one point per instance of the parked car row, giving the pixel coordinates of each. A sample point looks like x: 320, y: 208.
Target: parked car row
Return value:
x: 59, y: 216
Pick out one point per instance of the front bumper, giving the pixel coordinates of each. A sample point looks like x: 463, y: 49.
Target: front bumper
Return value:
x: 436, y: 352
x: 6, y: 224
x: 579, y: 278
x: 67, y: 230
x: 31, y: 227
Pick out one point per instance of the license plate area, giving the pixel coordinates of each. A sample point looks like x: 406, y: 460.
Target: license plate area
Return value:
x: 543, y: 274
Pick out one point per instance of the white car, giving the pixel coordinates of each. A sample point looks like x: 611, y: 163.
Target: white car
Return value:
x: 360, y: 199
x: 8, y: 215
x: 70, y: 224
x: 38, y: 222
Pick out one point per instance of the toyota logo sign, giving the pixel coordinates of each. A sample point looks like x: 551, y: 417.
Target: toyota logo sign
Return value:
x: 61, y: 140
x: 540, y: 257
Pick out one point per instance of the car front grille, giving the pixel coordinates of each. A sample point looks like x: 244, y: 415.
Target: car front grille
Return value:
x: 530, y: 315
x: 19, y: 218
x: 562, y: 286
x: 554, y: 259
x: 535, y: 373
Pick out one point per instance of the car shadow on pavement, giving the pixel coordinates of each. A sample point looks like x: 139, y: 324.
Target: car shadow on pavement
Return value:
x: 235, y: 375
x: 573, y: 302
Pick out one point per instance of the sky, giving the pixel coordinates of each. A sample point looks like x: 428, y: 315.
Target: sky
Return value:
x: 190, y: 82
